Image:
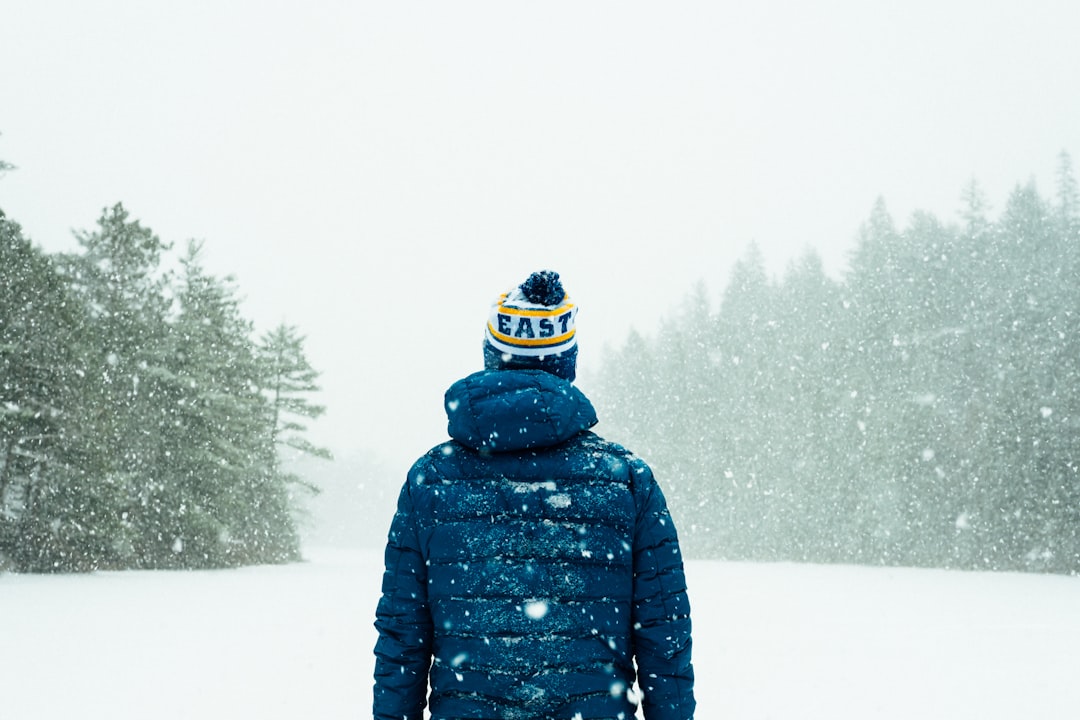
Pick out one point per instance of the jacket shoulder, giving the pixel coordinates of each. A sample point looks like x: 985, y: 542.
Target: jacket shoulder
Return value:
x: 584, y: 454
x: 637, y: 471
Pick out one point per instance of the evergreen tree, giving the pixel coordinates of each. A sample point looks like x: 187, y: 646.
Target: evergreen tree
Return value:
x: 118, y: 280
x: 981, y: 282
x: 746, y: 443
x: 810, y: 321
x: 686, y: 416
x: 1066, y: 410
x: 1037, y: 475
x: 929, y: 391
x: 43, y: 492
x: 875, y: 358
x: 29, y: 389
x: 630, y: 393
x: 288, y: 382
x: 225, y: 503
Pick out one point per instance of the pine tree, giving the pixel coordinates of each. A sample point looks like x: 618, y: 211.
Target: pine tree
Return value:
x: 1039, y: 392
x: 41, y: 404
x: 810, y: 322
x: 685, y: 415
x: 28, y: 388
x: 224, y: 503
x: 118, y: 281
x: 745, y: 351
x: 874, y: 358
x: 629, y: 393
x: 288, y: 381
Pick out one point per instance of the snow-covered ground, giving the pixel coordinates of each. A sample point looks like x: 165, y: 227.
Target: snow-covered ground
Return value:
x: 771, y: 641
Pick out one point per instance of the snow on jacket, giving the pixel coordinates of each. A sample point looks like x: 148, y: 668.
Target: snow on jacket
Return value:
x: 529, y: 567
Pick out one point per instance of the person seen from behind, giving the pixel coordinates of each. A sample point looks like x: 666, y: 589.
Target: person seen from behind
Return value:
x: 532, y: 568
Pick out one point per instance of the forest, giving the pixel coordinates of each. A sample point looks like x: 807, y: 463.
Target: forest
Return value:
x: 923, y: 409
x: 142, y: 423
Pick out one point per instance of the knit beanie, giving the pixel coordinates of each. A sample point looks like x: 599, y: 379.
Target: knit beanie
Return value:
x: 532, y: 327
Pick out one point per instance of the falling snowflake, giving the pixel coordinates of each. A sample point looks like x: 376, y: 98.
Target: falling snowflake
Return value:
x: 536, y: 609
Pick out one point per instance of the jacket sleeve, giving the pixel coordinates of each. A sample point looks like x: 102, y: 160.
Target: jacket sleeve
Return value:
x: 403, y: 650
x: 661, y: 608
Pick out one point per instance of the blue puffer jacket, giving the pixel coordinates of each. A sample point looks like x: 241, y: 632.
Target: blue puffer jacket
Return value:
x: 529, y: 566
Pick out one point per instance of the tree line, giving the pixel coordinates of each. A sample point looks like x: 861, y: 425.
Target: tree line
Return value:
x: 142, y: 423
x: 923, y: 409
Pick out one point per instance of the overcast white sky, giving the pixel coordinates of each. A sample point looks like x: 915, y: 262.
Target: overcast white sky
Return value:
x: 377, y: 172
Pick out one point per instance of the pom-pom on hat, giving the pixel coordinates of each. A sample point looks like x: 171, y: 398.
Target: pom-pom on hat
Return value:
x: 532, y: 326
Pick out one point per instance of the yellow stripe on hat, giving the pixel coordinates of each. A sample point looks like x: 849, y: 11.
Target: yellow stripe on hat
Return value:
x: 514, y: 310
x: 552, y: 341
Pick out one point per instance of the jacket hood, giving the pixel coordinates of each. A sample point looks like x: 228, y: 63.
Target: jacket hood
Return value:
x: 510, y: 410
